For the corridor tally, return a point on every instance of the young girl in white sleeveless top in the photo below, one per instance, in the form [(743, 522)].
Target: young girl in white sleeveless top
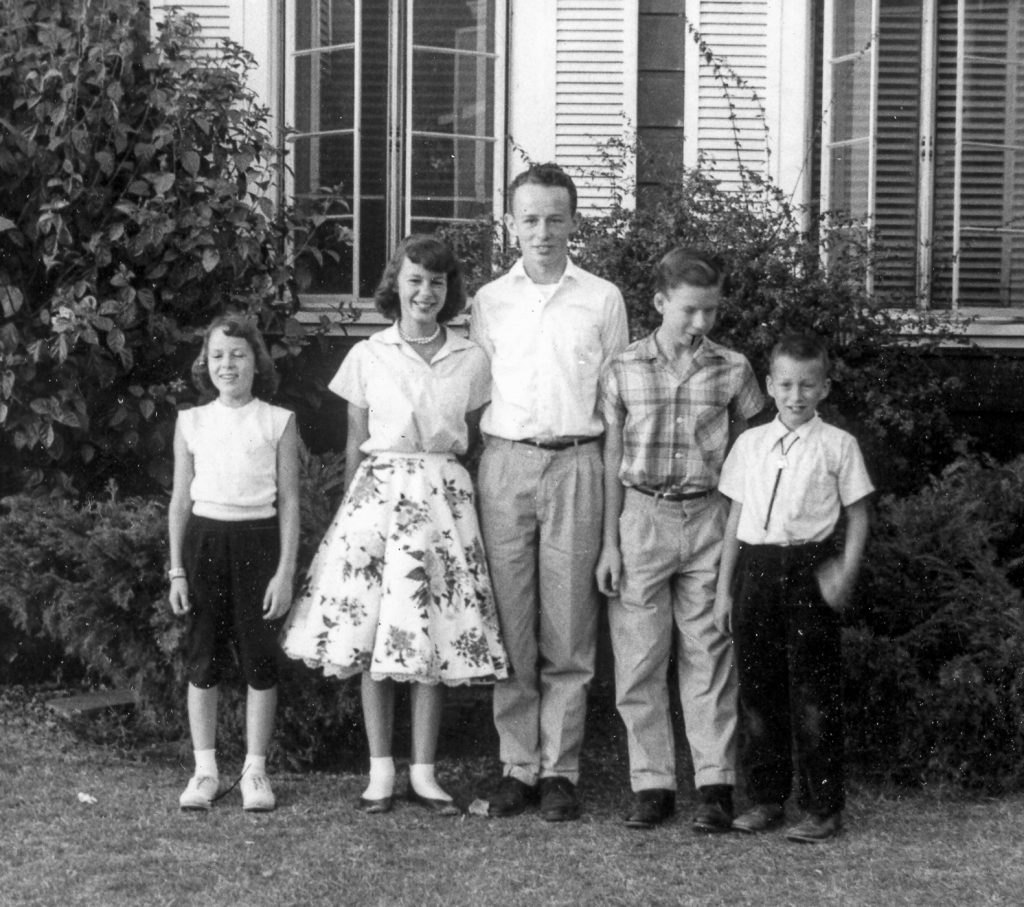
[(234, 526), (399, 588)]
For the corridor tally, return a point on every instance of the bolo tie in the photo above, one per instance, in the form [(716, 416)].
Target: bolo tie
[(783, 462)]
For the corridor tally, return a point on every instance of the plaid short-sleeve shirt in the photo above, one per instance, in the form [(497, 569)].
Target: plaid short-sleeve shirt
[(675, 430)]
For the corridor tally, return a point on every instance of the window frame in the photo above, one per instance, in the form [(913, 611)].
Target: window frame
[(926, 190), (402, 46)]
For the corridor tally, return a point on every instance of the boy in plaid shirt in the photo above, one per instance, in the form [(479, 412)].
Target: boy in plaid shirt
[(673, 403)]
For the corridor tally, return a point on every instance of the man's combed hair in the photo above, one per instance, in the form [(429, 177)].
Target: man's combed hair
[(690, 266), (544, 175), (433, 254), (264, 382), (802, 348)]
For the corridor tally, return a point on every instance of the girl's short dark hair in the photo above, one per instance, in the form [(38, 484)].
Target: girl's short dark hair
[(265, 381), (433, 254), (690, 266)]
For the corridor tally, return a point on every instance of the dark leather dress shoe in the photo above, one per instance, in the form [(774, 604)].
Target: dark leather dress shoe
[(511, 797), (383, 805), (437, 807), (558, 800), (651, 807)]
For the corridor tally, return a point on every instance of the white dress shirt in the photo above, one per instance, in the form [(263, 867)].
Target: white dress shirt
[(793, 484), (547, 351)]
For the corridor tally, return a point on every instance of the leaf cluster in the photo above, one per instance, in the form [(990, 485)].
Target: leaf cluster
[(935, 649), (136, 201), (90, 578), (784, 274)]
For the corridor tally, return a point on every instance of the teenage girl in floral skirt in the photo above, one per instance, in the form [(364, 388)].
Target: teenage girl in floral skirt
[(399, 590)]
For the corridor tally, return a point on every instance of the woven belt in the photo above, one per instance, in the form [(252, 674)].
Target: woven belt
[(558, 445), (672, 496)]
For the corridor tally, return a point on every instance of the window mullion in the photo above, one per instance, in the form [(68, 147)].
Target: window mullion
[(406, 195), (873, 134), (958, 148), (357, 148), (926, 153)]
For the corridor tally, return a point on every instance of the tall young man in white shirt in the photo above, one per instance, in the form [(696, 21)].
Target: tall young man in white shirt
[(549, 328)]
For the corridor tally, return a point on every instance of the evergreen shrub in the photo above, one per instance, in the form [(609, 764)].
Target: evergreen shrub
[(934, 647), (884, 386), (91, 578)]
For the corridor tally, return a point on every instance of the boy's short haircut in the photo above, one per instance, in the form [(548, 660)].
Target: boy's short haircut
[(688, 265), (549, 174), (802, 348), (234, 324)]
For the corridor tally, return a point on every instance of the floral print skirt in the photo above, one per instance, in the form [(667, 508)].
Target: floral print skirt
[(399, 585)]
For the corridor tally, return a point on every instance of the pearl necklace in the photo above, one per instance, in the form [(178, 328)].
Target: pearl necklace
[(420, 340)]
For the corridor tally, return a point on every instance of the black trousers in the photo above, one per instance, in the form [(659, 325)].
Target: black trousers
[(229, 565), (789, 662)]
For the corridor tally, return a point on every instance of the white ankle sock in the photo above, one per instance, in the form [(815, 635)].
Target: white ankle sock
[(421, 777), (382, 778), (206, 763), (254, 765)]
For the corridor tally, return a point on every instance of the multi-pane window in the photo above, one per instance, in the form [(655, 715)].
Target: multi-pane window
[(924, 136), (398, 110)]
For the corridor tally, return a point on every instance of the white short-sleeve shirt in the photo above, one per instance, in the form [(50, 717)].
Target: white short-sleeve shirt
[(234, 456), (548, 348), (793, 484), (414, 406)]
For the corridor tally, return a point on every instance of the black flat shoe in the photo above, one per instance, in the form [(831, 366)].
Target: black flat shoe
[(437, 807), (650, 808), (383, 805), (558, 800)]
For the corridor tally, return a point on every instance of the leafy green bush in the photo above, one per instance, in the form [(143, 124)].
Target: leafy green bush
[(935, 650), (884, 388), (136, 177), (91, 578)]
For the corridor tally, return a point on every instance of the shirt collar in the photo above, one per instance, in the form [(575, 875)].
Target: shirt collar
[(647, 348), (779, 430), (453, 341), (571, 272)]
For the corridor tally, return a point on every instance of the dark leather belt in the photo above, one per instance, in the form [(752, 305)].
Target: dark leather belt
[(672, 496), (559, 445)]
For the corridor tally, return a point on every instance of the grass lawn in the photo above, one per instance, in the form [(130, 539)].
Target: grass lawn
[(133, 846)]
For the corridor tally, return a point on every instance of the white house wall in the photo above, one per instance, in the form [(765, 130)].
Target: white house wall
[(748, 105), (250, 23)]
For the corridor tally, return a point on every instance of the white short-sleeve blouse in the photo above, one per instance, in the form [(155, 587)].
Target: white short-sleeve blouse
[(414, 406)]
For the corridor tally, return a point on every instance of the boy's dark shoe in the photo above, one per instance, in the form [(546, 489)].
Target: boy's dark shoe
[(816, 829), (761, 817), (511, 797), (714, 812), (651, 807), (558, 800)]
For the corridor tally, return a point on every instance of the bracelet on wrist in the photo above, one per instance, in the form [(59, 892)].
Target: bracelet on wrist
[(176, 573)]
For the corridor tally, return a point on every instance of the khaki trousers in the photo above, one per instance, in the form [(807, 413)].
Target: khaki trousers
[(540, 516), (670, 556)]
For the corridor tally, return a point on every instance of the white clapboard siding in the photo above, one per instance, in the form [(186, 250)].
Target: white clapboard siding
[(725, 109), (595, 87)]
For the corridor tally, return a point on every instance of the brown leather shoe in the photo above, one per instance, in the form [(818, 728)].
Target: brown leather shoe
[(558, 800), (760, 817), (511, 797), (714, 813), (816, 829), (651, 807)]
